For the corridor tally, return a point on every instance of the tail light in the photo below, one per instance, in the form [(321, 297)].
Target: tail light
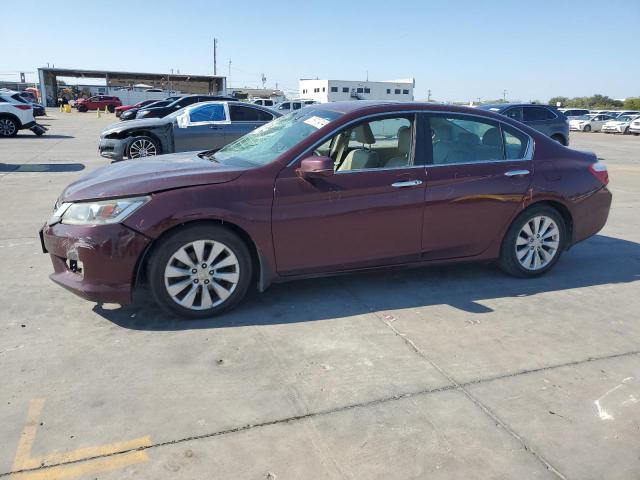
[(23, 107), (599, 170)]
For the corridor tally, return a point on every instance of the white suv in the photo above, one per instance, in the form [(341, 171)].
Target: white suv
[(15, 114)]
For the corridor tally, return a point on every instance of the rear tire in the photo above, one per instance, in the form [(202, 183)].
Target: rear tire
[(534, 242), (199, 271), (560, 139), (8, 127)]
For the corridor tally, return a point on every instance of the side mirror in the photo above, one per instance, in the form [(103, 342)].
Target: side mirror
[(315, 167)]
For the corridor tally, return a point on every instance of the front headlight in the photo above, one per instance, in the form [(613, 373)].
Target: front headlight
[(101, 212)]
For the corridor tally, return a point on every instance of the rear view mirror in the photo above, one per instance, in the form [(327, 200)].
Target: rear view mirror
[(315, 167)]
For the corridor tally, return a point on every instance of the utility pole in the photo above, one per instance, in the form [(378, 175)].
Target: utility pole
[(264, 81), (504, 95), (229, 75), (429, 95), (215, 56)]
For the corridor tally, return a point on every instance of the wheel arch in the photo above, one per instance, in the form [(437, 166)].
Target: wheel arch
[(260, 274), (562, 210), (145, 133), (561, 136)]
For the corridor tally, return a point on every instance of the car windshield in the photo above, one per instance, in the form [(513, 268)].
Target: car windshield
[(266, 143), (623, 118), (585, 117)]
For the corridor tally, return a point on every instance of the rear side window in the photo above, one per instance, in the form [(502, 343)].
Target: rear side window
[(534, 114), (207, 113), (239, 113), (515, 143), (460, 139)]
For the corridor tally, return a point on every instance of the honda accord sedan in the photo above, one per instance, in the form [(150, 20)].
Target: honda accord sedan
[(328, 189)]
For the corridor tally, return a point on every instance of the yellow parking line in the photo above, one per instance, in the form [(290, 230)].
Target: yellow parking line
[(109, 458), (23, 459), (90, 452), (75, 470)]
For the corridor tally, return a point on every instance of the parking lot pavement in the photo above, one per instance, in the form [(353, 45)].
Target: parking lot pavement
[(456, 372)]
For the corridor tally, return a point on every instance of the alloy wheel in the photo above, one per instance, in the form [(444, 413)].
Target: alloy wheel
[(202, 274), (7, 127), (142, 148), (537, 243)]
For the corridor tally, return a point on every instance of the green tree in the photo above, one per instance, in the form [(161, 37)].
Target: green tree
[(562, 100), (632, 103)]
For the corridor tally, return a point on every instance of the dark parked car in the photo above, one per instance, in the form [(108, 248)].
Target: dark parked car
[(328, 189), (203, 126), (132, 112), (123, 108), (543, 118), (159, 112)]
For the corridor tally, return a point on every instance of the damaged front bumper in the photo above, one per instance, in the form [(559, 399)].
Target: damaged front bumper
[(96, 262), (113, 148)]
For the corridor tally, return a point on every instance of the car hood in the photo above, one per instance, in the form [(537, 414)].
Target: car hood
[(137, 123), (148, 175)]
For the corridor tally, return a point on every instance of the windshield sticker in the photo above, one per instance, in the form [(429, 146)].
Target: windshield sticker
[(316, 122)]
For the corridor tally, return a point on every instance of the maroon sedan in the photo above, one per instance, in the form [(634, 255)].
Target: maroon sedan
[(328, 189)]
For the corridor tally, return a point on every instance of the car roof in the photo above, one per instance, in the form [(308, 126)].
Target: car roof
[(503, 106), (381, 105)]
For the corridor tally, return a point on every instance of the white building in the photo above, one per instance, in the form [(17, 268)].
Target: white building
[(340, 90)]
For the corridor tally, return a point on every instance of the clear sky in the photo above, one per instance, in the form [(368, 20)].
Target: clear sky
[(460, 49)]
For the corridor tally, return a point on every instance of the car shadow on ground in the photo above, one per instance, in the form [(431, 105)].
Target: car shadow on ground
[(599, 261), (41, 167), (42, 137)]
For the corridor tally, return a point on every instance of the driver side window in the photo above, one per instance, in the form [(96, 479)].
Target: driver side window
[(207, 113), (386, 143)]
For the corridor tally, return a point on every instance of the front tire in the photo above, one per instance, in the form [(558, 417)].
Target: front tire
[(534, 242), (587, 128), (8, 127), (143, 146), (626, 131), (111, 108), (560, 139), (200, 271), (82, 108)]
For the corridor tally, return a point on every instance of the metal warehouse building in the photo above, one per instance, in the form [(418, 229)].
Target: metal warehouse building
[(165, 81)]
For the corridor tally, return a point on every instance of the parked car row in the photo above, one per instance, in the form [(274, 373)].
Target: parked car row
[(594, 122)]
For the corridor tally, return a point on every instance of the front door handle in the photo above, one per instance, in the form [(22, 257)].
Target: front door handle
[(408, 183), (214, 127), (517, 173)]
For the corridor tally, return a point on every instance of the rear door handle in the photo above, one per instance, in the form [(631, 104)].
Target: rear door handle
[(517, 173), (408, 183)]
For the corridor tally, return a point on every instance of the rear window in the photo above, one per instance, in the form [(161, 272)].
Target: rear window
[(240, 113), (533, 114)]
